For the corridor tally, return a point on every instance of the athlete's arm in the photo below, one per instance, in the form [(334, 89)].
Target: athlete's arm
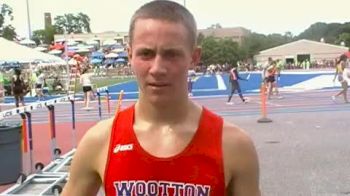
[(242, 164), (84, 176)]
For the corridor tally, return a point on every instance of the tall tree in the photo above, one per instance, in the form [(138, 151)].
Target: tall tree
[(71, 23), (6, 30), (256, 42), (85, 21), (344, 37), (329, 32), (217, 50), (45, 36)]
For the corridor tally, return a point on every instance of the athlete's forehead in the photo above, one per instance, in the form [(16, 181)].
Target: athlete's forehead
[(157, 34)]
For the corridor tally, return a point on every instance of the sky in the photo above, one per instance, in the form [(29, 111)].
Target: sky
[(260, 16)]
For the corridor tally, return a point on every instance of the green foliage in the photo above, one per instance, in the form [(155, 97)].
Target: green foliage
[(9, 32), (344, 37), (44, 35), (215, 50), (71, 23), (5, 14), (333, 33), (255, 42), (6, 30)]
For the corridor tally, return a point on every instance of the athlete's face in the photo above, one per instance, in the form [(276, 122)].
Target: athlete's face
[(160, 56)]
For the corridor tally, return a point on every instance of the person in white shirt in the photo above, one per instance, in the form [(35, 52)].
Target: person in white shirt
[(39, 84), (85, 81), (190, 80), (346, 77)]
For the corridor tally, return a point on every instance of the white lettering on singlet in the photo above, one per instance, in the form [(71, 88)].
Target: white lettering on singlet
[(162, 188)]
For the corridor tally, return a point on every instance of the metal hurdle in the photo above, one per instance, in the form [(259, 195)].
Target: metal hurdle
[(48, 181), (99, 91), (25, 113), (39, 184), (51, 179), (61, 164)]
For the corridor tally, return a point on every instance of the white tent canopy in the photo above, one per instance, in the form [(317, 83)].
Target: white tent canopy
[(111, 55), (11, 51), (41, 49), (55, 51), (27, 42)]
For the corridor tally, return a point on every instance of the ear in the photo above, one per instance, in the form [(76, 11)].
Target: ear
[(129, 51), (196, 56)]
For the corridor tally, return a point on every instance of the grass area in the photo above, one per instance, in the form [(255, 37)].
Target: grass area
[(104, 81), (101, 82)]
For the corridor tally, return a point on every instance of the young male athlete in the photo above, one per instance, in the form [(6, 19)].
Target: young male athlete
[(165, 144)]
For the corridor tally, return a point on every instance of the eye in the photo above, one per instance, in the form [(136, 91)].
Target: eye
[(171, 54), (145, 53)]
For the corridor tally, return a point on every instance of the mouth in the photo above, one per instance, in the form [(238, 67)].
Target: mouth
[(158, 85)]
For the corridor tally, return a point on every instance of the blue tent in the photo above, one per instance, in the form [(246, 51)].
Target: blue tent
[(109, 61), (10, 64), (97, 55), (96, 61), (120, 60)]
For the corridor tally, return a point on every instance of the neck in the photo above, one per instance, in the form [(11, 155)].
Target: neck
[(163, 113)]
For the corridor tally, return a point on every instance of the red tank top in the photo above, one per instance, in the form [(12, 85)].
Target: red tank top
[(197, 170)]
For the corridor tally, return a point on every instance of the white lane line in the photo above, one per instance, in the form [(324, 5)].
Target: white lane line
[(221, 83)]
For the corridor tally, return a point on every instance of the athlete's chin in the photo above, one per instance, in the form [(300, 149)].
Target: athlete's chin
[(160, 100)]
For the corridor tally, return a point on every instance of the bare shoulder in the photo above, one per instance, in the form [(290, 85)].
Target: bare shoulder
[(98, 134), (92, 146), (240, 162), (235, 138), (95, 141), (87, 167)]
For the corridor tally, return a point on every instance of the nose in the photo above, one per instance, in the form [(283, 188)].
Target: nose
[(158, 67)]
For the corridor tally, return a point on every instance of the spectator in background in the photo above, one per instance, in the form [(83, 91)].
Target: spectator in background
[(57, 85), (39, 84), (191, 79)]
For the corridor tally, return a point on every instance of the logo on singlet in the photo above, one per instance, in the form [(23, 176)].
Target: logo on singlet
[(123, 147)]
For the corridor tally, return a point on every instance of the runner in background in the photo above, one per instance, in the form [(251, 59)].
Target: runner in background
[(279, 68), (270, 78), (234, 77), (85, 81), (340, 66)]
